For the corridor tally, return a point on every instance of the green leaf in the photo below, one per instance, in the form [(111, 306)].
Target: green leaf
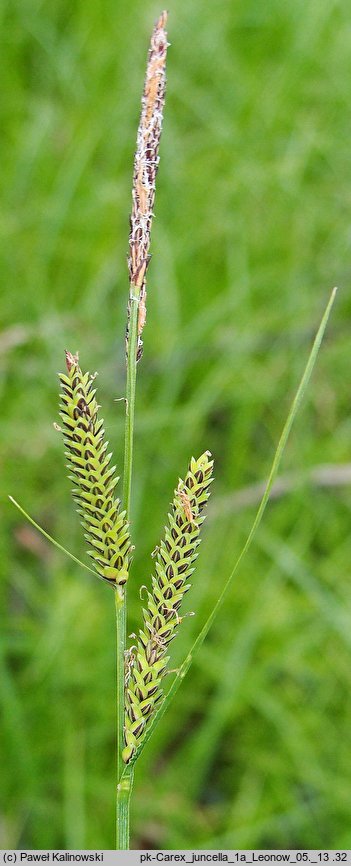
[(184, 667)]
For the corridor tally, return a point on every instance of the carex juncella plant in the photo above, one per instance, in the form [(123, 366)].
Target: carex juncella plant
[(105, 525), (141, 668), (146, 664)]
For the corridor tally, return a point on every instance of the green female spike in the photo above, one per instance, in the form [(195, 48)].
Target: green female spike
[(147, 662), (106, 528)]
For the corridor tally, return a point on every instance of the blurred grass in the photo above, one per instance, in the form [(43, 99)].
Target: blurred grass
[(252, 230)]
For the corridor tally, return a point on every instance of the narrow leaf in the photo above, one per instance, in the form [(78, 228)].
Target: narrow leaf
[(184, 667), (52, 540)]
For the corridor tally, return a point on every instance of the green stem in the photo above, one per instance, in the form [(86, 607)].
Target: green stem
[(130, 397), (121, 641), (125, 784), (124, 791)]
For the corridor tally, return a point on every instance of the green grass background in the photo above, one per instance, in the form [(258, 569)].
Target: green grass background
[(252, 230)]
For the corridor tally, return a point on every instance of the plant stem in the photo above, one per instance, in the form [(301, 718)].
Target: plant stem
[(124, 791), (120, 601), (122, 796), (124, 786), (130, 396)]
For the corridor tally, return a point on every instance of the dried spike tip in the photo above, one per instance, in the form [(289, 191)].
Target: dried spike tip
[(71, 360), (174, 560), (105, 525), (146, 162)]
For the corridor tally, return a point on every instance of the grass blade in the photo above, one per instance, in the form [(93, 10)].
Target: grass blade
[(184, 667), (52, 540)]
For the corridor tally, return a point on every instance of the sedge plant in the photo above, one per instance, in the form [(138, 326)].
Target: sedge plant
[(141, 666)]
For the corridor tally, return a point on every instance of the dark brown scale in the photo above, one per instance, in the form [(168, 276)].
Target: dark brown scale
[(199, 475), (174, 534), (170, 572), (92, 535), (183, 567), (76, 472), (161, 580), (67, 421), (179, 520), (203, 490), (168, 545), (74, 450), (85, 511), (168, 593), (182, 541), (110, 540), (188, 552), (176, 556), (139, 694), (189, 482), (114, 558), (139, 728), (157, 623), (147, 679), (152, 690), (89, 509), (100, 562), (178, 583)]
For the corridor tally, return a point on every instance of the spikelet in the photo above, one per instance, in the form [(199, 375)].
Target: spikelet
[(146, 163), (105, 525), (146, 663)]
